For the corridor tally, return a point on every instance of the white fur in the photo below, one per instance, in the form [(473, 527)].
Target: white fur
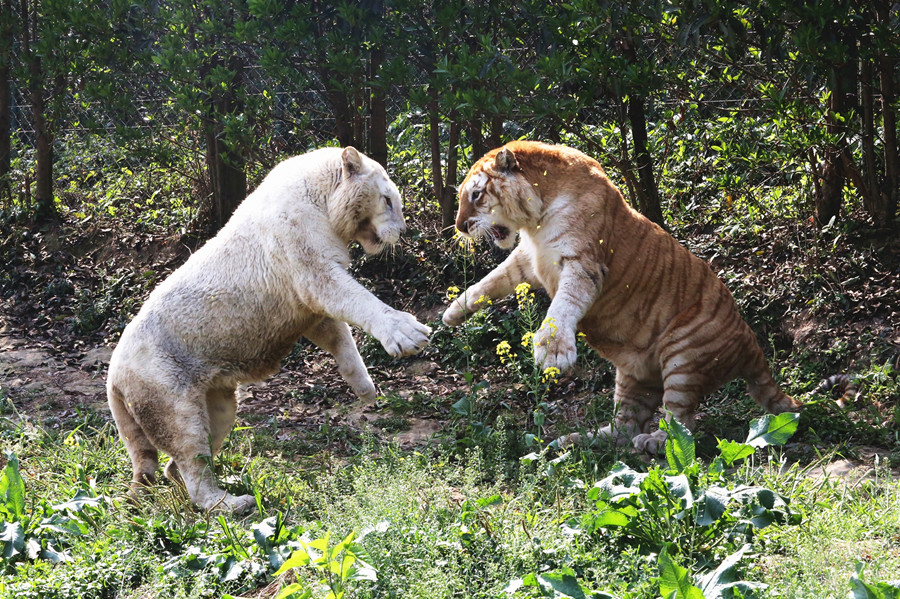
[(275, 272)]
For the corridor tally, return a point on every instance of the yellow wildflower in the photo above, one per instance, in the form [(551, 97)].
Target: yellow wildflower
[(527, 340), (551, 375), (452, 293), (504, 350), (550, 323), (523, 295), (483, 300)]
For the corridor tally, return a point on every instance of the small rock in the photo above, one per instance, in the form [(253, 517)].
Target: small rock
[(421, 367), (98, 355)]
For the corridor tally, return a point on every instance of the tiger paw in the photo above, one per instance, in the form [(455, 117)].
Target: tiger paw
[(364, 388), (617, 434), (402, 335), (653, 443), (554, 348), (454, 315)]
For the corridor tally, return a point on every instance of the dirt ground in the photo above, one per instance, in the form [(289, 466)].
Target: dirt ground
[(46, 390)]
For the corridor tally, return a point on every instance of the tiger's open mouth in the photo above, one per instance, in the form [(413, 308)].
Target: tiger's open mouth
[(499, 233)]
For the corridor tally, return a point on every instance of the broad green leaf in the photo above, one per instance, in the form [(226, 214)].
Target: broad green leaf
[(860, 589), (81, 500), (320, 544), (732, 451), (463, 407), (721, 582), (717, 468), (564, 583), (54, 555), (605, 519), (293, 591), (680, 487), (772, 430), (13, 538), (487, 501), (560, 459), (514, 585), (675, 579), (622, 482), (267, 529), (680, 450), (235, 570), (344, 544), (715, 502), (364, 571), (531, 457), (12, 488), (298, 559)]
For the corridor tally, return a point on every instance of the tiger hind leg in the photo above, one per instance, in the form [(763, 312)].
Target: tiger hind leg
[(680, 404), (635, 403)]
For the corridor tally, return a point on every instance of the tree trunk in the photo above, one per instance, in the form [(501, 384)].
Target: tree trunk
[(889, 194), (343, 117), (225, 163), (828, 201), (867, 135), (447, 198), (43, 175), (6, 15), (647, 193), (377, 149), (444, 193), (842, 81), (437, 169), (476, 139), (5, 135), (495, 138), (226, 176)]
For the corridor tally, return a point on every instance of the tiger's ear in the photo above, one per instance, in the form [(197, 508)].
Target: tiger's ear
[(506, 161), (351, 161)]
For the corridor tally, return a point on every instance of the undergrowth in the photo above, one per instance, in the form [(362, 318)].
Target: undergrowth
[(448, 522)]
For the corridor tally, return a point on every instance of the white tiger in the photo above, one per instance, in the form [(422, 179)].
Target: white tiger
[(275, 272)]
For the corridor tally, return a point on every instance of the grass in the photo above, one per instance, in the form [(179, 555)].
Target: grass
[(849, 527), (446, 523)]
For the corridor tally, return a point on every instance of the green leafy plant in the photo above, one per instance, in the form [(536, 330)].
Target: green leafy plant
[(685, 510), (46, 531), (337, 568), (859, 589), (686, 503)]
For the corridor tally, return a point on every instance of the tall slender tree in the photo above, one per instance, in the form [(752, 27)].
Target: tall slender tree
[(7, 23)]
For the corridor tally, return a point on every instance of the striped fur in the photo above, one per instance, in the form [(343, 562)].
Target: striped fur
[(644, 302)]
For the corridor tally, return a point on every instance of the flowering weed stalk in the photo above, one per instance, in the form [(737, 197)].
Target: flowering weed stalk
[(537, 380)]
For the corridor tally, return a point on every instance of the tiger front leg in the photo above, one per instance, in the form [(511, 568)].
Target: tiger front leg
[(340, 297), (579, 287), (500, 282)]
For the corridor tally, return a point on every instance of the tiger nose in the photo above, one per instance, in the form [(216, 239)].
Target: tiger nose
[(463, 226)]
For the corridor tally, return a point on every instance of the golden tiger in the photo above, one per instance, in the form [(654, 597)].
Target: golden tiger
[(645, 303)]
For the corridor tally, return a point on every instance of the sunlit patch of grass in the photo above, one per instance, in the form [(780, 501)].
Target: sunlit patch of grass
[(847, 525)]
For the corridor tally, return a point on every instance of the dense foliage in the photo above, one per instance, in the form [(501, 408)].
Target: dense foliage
[(688, 103)]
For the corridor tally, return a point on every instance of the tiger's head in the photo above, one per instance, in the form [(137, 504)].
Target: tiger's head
[(366, 205), (496, 199)]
